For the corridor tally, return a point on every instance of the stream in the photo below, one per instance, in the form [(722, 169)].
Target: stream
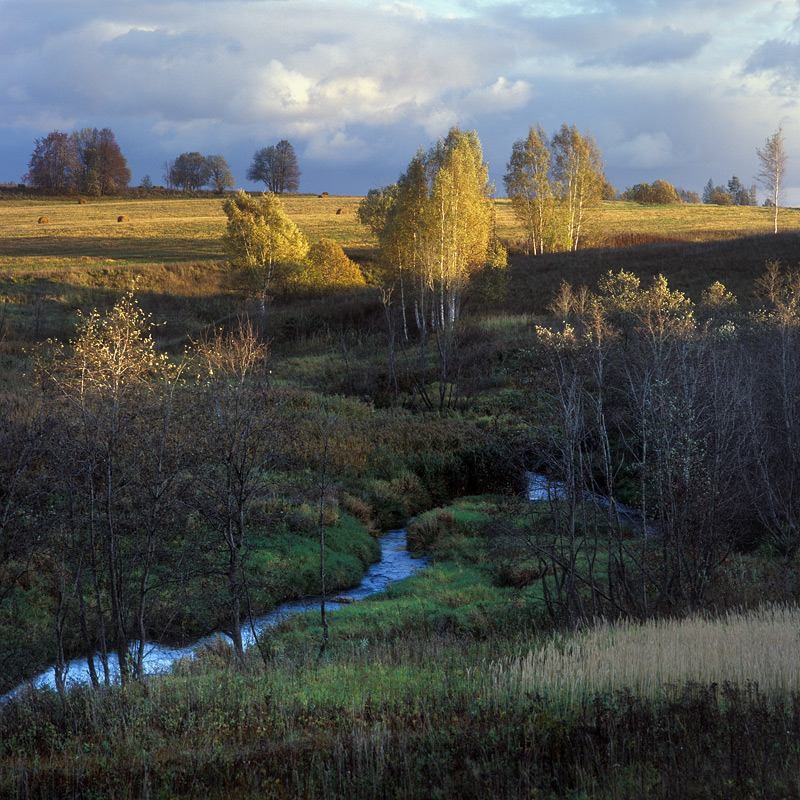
[(395, 564), (541, 489)]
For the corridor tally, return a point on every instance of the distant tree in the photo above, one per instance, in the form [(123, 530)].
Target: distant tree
[(220, 176), (103, 168), (277, 167), (54, 163), (739, 195), (772, 159), (688, 196), (717, 195), (147, 182), (660, 192), (262, 241), (169, 173), (189, 171)]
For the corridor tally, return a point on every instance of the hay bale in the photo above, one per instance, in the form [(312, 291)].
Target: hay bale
[(43, 220), (320, 195), (81, 201), (324, 194), (342, 211), (123, 218)]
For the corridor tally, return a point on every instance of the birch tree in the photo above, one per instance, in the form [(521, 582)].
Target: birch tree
[(262, 242), (579, 175), (530, 188), (772, 161)]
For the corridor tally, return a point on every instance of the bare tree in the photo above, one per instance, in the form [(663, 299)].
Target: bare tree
[(239, 448), (772, 161), (277, 167), (54, 163)]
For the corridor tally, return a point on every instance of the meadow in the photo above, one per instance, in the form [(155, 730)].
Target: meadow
[(475, 677)]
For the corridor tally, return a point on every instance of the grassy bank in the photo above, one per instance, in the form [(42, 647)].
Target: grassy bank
[(444, 686)]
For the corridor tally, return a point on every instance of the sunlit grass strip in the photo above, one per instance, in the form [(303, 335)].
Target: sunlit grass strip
[(761, 646)]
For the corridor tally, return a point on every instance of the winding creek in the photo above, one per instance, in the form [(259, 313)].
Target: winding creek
[(395, 564)]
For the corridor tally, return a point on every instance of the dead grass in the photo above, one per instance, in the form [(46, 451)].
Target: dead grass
[(761, 646)]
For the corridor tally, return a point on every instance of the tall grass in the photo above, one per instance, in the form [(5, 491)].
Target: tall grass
[(761, 647)]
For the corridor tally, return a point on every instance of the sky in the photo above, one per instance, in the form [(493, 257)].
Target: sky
[(680, 90)]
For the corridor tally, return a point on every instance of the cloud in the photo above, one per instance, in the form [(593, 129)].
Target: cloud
[(646, 150), (364, 83), (502, 95), (779, 58), (655, 48)]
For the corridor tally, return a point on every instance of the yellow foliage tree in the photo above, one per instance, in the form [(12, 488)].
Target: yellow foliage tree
[(262, 241)]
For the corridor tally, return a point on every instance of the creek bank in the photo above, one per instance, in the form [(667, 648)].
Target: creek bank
[(395, 564), (543, 489)]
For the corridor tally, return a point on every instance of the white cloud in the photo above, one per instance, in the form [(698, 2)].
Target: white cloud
[(502, 95), (371, 82)]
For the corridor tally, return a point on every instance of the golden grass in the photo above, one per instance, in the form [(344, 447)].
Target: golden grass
[(761, 646), (159, 230), (190, 229), (681, 221)]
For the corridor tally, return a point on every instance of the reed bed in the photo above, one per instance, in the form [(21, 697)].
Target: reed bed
[(760, 647)]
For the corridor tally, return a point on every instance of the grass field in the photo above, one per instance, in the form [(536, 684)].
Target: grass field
[(185, 230), (159, 230)]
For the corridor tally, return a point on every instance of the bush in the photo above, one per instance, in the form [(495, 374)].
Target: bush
[(330, 270), (429, 530)]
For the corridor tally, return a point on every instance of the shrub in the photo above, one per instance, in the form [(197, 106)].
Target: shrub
[(361, 510), (329, 269), (429, 530), (305, 517)]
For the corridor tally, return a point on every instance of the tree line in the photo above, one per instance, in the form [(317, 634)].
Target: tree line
[(88, 161)]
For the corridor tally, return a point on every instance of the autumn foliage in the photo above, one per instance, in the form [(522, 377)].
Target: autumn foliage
[(328, 269)]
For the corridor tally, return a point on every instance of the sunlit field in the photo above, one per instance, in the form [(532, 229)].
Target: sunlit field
[(156, 231), (176, 230)]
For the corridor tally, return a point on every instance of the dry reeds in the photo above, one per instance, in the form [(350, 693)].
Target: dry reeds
[(761, 647)]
